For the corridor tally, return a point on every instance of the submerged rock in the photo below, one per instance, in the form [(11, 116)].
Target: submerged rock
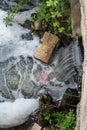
[(27, 36), (12, 78), (27, 24), (4, 5), (21, 65), (30, 63), (28, 87), (37, 73)]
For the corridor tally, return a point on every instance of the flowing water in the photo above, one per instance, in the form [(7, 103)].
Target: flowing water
[(21, 75)]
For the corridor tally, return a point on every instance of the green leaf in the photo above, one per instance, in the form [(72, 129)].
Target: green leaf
[(61, 29)]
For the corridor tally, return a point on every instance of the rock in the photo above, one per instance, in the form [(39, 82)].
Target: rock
[(35, 127), (30, 63), (46, 48), (75, 16), (37, 73), (12, 78), (36, 25), (28, 87), (27, 24), (25, 63), (47, 128), (4, 5), (27, 36), (21, 65)]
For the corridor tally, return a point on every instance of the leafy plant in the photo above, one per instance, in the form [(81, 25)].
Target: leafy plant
[(8, 19), (69, 121), (64, 121), (13, 10), (54, 14)]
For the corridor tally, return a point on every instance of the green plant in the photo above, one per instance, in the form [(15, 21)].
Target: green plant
[(64, 121), (69, 121), (10, 14), (54, 14), (13, 10)]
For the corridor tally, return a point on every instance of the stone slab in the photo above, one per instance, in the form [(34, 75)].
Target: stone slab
[(46, 47)]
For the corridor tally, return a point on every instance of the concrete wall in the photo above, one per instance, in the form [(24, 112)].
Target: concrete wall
[(82, 114)]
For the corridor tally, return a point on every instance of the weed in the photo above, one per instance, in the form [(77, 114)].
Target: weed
[(55, 14), (64, 121), (13, 10)]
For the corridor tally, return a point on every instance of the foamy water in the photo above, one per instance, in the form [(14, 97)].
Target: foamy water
[(21, 75)]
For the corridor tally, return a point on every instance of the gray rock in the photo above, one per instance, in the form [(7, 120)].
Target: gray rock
[(21, 65), (12, 78), (30, 63), (27, 36), (4, 5), (37, 73), (28, 87)]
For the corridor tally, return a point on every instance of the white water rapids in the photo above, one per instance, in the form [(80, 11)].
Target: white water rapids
[(21, 74)]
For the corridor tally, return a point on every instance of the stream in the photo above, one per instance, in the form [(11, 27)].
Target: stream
[(21, 75)]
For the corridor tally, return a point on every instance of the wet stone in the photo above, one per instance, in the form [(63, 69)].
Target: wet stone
[(37, 73), (27, 24), (36, 25), (30, 63), (21, 65), (4, 5), (27, 36), (7, 95), (12, 78), (28, 87)]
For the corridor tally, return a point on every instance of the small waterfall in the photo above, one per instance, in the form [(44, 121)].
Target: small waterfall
[(70, 61)]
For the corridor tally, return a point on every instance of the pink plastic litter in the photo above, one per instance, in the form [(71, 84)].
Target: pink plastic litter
[(44, 77)]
